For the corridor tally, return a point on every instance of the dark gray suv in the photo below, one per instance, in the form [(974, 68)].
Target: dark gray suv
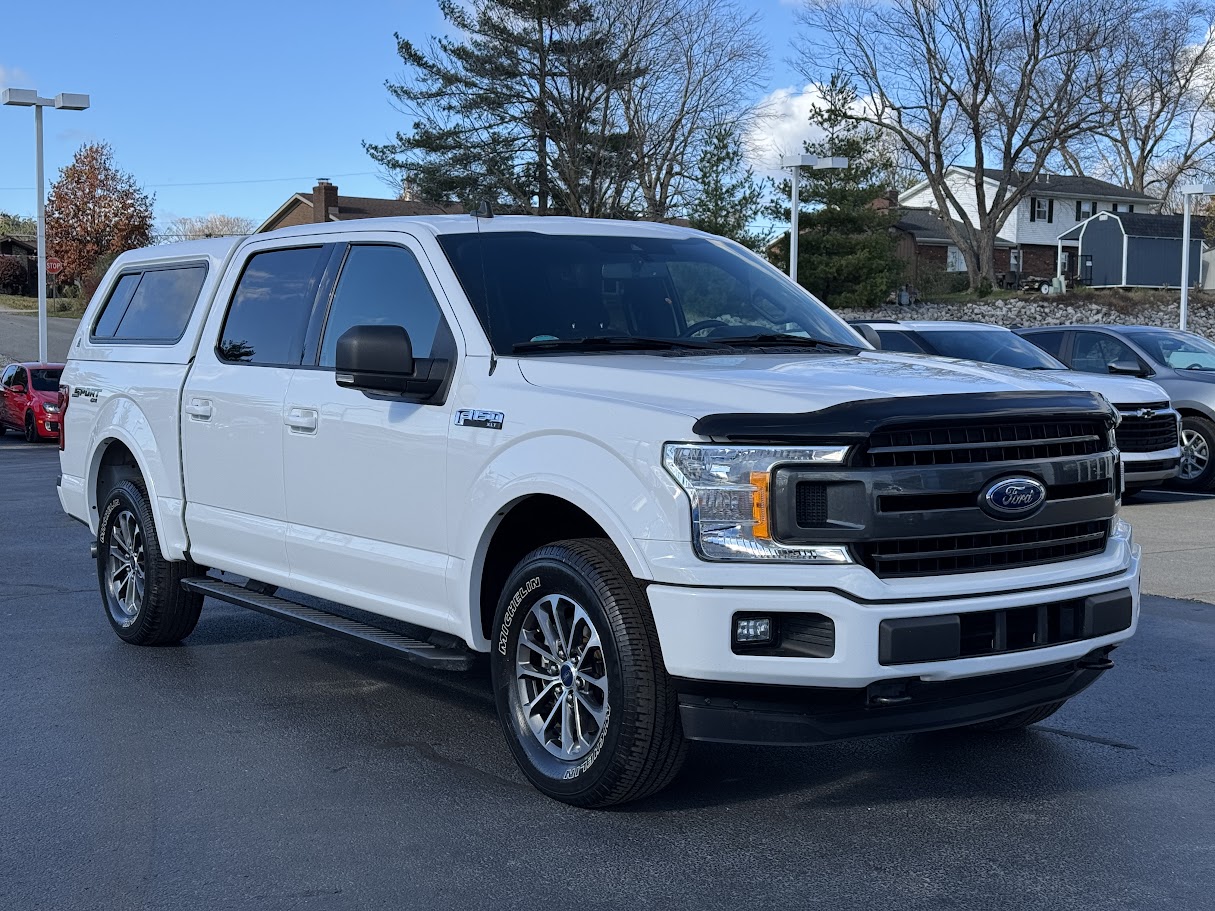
[(1181, 362)]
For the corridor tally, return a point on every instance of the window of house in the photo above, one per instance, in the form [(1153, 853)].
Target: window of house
[(269, 312), (1085, 208), (1041, 209), (1127, 207), (954, 260), (382, 285)]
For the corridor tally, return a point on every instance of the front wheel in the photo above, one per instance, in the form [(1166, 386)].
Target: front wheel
[(141, 590), (31, 429), (582, 692), (1197, 454)]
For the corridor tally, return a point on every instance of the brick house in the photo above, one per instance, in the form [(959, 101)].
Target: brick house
[(324, 204), (922, 240), (1053, 204)]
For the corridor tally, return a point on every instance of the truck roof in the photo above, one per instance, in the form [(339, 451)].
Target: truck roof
[(213, 249), (464, 224)]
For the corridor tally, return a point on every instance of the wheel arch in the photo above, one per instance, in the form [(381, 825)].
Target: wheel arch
[(115, 456)]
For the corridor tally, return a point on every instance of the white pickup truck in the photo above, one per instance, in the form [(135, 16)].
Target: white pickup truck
[(668, 492)]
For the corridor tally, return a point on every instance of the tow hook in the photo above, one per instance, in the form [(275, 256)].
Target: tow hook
[(93, 549), (888, 693), (1096, 661)]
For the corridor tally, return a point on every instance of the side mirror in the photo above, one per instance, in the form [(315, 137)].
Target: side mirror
[(1127, 368), (869, 334), (380, 359), (18, 390)]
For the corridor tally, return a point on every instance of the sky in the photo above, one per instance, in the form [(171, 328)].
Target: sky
[(231, 107)]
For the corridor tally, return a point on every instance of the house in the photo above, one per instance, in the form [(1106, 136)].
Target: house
[(17, 246), (922, 240), (1124, 249), (24, 252), (1053, 205), (325, 204)]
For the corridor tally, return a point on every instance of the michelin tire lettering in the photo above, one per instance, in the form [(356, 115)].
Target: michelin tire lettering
[(528, 587)]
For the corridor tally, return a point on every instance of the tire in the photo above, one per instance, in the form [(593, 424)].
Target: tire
[(31, 428), (1197, 454), (145, 604), (1018, 721), (625, 738)]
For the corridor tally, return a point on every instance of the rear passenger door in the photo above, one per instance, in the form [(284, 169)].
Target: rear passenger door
[(232, 420), (366, 473), (1094, 352)]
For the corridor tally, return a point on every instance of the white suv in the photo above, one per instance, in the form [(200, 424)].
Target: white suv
[(672, 495)]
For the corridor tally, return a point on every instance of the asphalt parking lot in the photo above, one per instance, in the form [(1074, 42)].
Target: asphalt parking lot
[(262, 766)]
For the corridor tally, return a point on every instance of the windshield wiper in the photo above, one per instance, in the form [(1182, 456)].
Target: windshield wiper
[(780, 340), (617, 343)]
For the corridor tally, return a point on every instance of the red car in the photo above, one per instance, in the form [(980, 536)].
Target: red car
[(29, 400)]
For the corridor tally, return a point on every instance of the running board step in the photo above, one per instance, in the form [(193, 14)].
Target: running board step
[(415, 650)]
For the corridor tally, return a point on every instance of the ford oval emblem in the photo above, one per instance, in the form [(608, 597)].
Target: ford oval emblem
[(1014, 498)]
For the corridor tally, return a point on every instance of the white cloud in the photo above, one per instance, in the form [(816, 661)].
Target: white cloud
[(782, 127), (12, 78)]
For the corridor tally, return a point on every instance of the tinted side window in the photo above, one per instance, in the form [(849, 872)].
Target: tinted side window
[(898, 341), (270, 307), (1093, 352), (382, 285), (116, 307), (6, 378), (1050, 342), (162, 304), (19, 378)]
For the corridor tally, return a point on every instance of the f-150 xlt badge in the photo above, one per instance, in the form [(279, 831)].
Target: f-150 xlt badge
[(469, 417), (1014, 498)]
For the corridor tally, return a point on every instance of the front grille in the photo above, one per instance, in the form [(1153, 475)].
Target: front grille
[(983, 443), (1136, 434), (811, 504), (899, 557), (930, 502)]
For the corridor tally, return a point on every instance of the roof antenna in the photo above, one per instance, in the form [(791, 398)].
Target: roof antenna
[(483, 210)]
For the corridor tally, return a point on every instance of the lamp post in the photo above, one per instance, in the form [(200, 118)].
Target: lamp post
[(795, 163), (28, 98), (1193, 189)]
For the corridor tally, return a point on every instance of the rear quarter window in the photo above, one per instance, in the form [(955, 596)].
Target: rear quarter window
[(152, 306)]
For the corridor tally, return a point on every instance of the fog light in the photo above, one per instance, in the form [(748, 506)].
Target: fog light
[(753, 631)]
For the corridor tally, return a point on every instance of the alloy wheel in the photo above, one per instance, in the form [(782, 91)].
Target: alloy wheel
[(125, 568), (561, 677), (1195, 454)]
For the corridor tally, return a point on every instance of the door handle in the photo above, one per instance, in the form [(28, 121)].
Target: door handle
[(302, 420), (199, 408)]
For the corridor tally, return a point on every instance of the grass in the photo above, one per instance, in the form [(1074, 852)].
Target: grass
[(70, 307)]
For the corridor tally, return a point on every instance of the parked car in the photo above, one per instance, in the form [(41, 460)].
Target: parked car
[(1181, 363), (671, 494), (29, 400), (1148, 435)]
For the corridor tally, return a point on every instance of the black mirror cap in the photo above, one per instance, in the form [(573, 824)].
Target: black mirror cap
[(379, 359), (1127, 368), (869, 334)]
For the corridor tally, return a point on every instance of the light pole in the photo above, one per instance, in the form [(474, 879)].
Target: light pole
[(1193, 189), (28, 98), (795, 163)]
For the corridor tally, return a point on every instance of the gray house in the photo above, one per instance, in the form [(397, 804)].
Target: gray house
[(1133, 249)]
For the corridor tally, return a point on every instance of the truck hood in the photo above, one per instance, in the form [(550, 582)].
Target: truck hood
[(696, 386), (1121, 390)]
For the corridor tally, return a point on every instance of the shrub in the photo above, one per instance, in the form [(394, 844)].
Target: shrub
[(13, 276)]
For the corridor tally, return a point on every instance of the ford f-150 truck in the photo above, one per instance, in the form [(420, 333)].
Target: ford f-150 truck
[(670, 494)]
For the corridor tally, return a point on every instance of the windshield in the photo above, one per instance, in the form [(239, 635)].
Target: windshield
[(1179, 350), (45, 380), (532, 290), (995, 346)]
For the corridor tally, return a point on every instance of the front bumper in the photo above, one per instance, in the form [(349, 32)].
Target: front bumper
[(736, 713), (1151, 467), (694, 625)]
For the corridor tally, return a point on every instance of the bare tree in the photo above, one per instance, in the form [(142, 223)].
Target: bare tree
[(699, 64), (193, 227), (1159, 91), (1005, 83)]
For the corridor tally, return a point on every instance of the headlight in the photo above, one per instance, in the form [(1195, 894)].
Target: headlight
[(728, 487), (50, 408)]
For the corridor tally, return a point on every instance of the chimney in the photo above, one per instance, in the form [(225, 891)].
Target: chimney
[(324, 200)]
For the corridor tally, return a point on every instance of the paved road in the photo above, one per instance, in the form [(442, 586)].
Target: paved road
[(261, 766), (19, 336)]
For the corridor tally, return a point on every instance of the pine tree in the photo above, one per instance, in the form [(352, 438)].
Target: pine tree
[(846, 251), (729, 198)]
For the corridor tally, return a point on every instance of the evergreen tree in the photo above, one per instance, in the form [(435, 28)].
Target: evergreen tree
[(515, 110), (729, 198), (846, 251)]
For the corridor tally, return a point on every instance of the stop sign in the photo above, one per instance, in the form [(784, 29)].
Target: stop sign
[(54, 265)]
